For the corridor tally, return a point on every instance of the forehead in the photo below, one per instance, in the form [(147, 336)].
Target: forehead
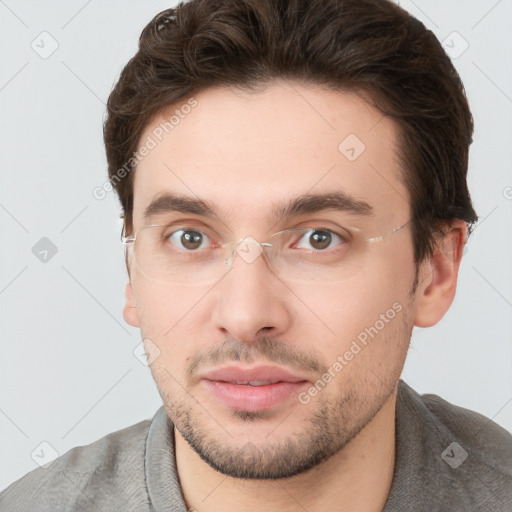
[(244, 152)]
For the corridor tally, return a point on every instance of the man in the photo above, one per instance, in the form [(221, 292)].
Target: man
[(293, 183)]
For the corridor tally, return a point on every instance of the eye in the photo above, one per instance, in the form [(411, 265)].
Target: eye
[(188, 239), (320, 239)]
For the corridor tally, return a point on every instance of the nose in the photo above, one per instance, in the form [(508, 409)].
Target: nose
[(251, 301)]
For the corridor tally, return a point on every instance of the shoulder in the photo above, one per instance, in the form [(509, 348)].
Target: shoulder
[(75, 480), (489, 443), (462, 458)]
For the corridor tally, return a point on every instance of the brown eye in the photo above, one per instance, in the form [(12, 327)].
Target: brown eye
[(188, 239), (320, 239)]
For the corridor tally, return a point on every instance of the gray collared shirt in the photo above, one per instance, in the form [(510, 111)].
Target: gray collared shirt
[(447, 459)]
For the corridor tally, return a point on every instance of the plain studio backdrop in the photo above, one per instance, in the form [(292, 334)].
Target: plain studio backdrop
[(68, 364)]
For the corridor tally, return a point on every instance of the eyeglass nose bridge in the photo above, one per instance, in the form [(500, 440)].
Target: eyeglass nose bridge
[(248, 248)]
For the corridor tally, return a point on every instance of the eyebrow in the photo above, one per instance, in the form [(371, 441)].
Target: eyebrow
[(307, 203)]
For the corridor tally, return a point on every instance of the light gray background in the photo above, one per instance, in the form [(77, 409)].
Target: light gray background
[(68, 372)]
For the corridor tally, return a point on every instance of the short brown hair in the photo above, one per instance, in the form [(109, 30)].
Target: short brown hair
[(370, 47)]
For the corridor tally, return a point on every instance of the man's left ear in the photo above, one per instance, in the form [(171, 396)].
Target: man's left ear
[(438, 276)]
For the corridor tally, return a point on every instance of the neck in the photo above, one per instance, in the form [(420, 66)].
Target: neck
[(359, 477)]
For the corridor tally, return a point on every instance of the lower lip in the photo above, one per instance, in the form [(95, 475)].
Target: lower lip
[(253, 398)]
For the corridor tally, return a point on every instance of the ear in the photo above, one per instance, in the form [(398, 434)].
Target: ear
[(130, 308), (438, 276)]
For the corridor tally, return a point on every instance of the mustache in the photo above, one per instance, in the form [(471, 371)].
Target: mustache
[(266, 349)]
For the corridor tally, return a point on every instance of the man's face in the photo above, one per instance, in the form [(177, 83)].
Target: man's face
[(244, 153)]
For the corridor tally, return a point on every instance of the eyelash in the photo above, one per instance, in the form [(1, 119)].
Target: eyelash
[(342, 239)]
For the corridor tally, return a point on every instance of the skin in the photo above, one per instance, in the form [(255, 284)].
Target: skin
[(245, 152)]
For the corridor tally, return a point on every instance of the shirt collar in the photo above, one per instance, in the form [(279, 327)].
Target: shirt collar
[(160, 466)]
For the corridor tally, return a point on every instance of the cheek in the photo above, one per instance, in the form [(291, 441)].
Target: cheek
[(372, 333), (170, 318), (369, 309), (164, 307)]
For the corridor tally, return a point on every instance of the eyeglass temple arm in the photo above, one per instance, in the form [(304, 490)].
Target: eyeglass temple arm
[(378, 238), (126, 239)]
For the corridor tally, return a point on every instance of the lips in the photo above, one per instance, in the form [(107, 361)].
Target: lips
[(253, 389), (238, 375)]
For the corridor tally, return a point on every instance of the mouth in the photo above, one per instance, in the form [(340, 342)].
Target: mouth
[(253, 389), (256, 382)]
